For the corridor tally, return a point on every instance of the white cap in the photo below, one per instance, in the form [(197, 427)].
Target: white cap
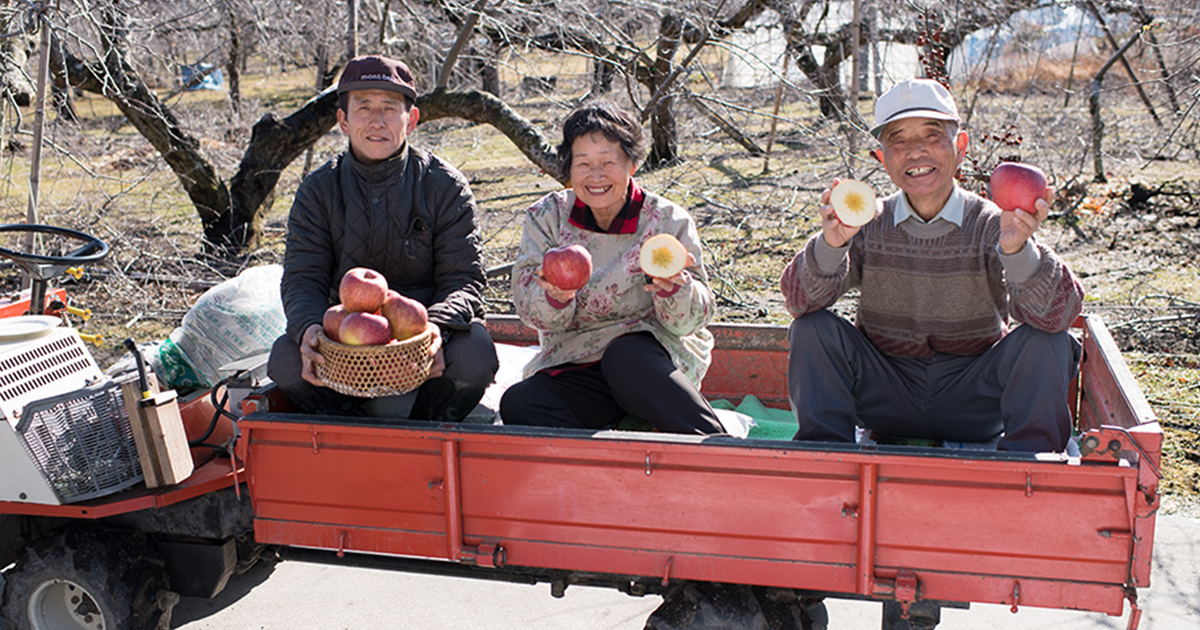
[(914, 98)]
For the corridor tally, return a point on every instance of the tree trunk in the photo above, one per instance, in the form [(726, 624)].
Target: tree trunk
[(274, 144), (489, 75), (664, 147), (233, 64), (14, 56), (830, 98), (481, 107), (351, 29), (602, 76), (232, 215), (1094, 109)]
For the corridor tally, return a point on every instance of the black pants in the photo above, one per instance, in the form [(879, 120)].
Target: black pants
[(635, 376), (471, 366)]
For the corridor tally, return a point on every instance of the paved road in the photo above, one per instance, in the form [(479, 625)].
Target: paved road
[(291, 595)]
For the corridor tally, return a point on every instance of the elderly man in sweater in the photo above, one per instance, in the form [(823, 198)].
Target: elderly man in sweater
[(941, 272)]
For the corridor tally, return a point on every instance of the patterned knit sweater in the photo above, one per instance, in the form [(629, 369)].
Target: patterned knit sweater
[(935, 287), (613, 303)]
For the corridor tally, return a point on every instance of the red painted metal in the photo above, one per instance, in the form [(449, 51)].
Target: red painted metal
[(1046, 531), (903, 524), (215, 475), (16, 305), (211, 474)]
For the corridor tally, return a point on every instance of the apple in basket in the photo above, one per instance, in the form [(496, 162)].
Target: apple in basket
[(568, 268), (1015, 185), (363, 290), (407, 317), (332, 322), (365, 329)]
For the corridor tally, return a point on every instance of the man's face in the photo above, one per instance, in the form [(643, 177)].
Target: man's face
[(922, 159), (377, 123)]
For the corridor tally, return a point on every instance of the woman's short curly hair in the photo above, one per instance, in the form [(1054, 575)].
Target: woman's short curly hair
[(605, 117)]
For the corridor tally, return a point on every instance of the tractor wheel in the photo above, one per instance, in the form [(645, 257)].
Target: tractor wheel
[(88, 579), (716, 606)]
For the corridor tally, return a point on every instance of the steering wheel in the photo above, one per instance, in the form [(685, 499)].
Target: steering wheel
[(41, 267)]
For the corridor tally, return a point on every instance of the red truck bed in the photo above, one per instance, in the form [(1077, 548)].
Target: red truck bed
[(885, 522)]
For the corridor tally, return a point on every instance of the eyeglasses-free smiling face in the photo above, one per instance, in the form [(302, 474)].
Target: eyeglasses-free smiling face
[(377, 122), (600, 174), (922, 159)]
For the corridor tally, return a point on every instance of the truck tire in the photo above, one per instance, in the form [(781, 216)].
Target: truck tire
[(716, 606), (85, 578)]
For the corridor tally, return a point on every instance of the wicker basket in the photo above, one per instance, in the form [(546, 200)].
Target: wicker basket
[(376, 371)]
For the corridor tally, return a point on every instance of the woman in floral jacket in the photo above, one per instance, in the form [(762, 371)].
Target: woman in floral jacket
[(625, 343)]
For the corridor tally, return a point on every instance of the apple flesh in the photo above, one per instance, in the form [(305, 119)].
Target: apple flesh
[(663, 256), (406, 316), (1015, 185), (332, 322), (853, 202), (363, 290), (365, 329), (569, 268)]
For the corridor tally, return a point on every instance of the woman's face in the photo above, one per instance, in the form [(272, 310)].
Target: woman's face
[(600, 173)]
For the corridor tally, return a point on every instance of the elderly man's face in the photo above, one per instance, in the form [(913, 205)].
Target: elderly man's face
[(922, 159)]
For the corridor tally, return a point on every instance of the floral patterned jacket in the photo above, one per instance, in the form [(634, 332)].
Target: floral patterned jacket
[(613, 303)]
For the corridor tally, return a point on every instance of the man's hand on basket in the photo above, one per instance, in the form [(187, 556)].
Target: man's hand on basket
[(309, 356), (435, 350)]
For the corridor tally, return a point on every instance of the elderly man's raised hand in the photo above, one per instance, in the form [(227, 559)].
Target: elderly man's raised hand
[(835, 233), (1018, 225)]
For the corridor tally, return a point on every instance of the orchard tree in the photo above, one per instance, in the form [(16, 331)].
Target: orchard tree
[(642, 52)]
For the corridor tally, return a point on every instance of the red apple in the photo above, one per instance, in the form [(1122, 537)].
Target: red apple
[(568, 268), (332, 322), (1015, 185), (407, 316), (365, 329), (363, 290)]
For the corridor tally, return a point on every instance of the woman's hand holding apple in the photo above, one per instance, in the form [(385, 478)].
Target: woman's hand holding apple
[(669, 284), (554, 292)]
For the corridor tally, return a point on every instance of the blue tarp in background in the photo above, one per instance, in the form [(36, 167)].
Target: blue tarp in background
[(213, 81)]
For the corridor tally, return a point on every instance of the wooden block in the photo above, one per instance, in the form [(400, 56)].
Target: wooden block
[(131, 393), (164, 426), (159, 434)]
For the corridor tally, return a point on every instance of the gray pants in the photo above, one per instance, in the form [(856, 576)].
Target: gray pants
[(1019, 388)]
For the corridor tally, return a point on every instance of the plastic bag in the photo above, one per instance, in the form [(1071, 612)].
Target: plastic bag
[(238, 318)]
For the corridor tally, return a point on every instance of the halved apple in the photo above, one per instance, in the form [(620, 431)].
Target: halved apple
[(854, 202), (663, 256)]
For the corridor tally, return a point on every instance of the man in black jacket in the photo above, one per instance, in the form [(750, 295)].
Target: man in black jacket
[(397, 209)]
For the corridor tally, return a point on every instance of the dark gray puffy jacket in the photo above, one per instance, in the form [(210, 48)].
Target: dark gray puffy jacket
[(411, 218)]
